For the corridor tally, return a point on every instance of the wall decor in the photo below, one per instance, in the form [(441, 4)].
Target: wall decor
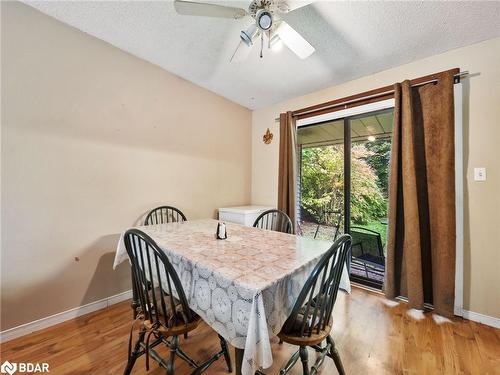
[(268, 137)]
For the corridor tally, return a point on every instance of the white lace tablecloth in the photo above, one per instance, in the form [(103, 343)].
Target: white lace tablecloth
[(244, 287)]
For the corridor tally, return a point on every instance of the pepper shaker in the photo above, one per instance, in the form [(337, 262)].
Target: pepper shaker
[(221, 231)]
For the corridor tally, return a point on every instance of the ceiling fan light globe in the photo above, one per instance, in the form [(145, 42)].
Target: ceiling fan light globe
[(248, 35), (245, 38), (264, 19)]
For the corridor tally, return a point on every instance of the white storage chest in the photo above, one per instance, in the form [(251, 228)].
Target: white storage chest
[(245, 215)]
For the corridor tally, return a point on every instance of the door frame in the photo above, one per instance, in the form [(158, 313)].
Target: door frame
[(347, 116)]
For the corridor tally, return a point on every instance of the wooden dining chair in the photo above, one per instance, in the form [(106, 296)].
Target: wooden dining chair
[(310, 321), (158, 215), (164, 214), (274, 220), (163, 308)]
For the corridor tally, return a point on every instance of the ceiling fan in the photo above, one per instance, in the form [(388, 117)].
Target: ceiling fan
[(268, 23)]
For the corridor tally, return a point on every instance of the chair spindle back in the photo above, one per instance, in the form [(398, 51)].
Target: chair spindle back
[(313, 308), (274, 220), (164, 214), (156, 281)]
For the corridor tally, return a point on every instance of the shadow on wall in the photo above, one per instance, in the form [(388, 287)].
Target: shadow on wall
[(37, 300), (56, 293), (105, 281)]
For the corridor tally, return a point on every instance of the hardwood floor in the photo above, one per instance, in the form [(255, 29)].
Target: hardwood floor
[(371, 336)]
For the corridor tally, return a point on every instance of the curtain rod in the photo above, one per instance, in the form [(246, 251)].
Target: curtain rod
[(368, 96)]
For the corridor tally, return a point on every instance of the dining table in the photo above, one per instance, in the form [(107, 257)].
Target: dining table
[(245, 286)]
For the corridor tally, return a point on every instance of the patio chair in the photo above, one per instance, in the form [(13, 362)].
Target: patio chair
[(331, 218), (367, 251)]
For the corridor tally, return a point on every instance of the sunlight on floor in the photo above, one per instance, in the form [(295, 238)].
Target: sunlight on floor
[(416, 314)]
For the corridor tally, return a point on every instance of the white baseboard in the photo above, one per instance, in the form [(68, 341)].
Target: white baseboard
[(49, 321), (480, 318)]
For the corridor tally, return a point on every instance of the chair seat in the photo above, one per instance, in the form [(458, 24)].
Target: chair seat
[(362, 264), (372, 259), (295, 338), (179, 328)]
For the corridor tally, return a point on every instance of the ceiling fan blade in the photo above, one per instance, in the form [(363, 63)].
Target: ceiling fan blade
[(241, 53), (290, 5), (293, 40), (191, 8)]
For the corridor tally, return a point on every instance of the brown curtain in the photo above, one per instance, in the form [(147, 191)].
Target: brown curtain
[(287, 166), (421, 238)]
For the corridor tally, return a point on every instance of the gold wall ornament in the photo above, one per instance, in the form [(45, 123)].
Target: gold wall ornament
[(268, 137)]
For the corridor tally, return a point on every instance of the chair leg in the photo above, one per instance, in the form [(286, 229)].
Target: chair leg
[(135, 298), (225, 350), (316, 233), (335, 355), (133, 357), (173, 349), (130, 366), (304, 358), (291, 362)]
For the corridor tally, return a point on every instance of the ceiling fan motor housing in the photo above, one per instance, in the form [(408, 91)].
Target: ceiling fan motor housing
[(262, 12)]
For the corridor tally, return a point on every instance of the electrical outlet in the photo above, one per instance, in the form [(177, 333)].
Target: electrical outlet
[(479, 174)]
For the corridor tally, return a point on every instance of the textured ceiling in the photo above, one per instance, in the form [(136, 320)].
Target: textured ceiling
[(352, 39)]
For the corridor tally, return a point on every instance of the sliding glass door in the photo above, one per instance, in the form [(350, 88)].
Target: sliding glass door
[(343, 187)]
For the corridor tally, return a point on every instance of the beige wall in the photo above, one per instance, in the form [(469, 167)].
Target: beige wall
[(481, 149), (91, 138)]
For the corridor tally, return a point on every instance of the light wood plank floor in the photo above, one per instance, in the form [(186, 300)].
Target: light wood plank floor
[(372, 338)]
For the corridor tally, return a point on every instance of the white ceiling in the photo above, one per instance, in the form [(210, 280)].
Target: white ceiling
[(352, 39)]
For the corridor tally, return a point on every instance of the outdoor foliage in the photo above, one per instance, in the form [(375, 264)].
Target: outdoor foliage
[(379, 161), (322, 183)]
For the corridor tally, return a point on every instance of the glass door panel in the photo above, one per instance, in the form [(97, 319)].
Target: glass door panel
[(369, 173), (320, 208)]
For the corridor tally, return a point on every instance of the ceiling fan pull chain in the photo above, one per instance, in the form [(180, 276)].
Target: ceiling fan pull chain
[(261, 44)]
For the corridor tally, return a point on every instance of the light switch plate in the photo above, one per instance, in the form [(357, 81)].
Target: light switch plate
[(479, 174)]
